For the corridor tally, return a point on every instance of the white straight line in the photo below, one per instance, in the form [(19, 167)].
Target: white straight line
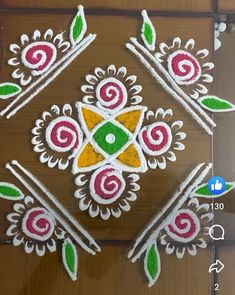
[(170, 91), (160, 214), (46, 205), (173, 83), (64, 62)]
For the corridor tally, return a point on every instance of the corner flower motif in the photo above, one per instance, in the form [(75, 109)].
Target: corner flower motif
[(36, 54), (111, 89), (57, 136), (186, 230), (33, 227), (187, 67), (108, 192), (161, 138)]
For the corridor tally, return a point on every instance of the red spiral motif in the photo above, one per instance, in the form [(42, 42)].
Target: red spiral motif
[(184, 67), (107, 185), (111, 94), (39, 56), (63, 134), (156, 138), (38, 224), (184, 227)]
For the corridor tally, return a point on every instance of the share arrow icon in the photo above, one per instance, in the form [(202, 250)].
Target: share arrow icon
[(217, 266)]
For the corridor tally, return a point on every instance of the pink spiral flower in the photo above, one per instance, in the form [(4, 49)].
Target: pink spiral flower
[(39, 56), (155, 139), (63, 134), (111, 94), (183, 67), (38, 224), (184, 227), (106, 185)]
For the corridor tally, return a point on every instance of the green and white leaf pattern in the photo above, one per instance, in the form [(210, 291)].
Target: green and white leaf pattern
[(70, 258), (8, 89), (216, 104), (152, 264), (78, 27), (203, 191), (148, 33), (10, 192)]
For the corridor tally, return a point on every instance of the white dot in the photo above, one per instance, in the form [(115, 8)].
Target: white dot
[(110, 138)]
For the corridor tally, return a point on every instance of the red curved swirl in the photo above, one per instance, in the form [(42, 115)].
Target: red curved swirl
[(33, 55), (64, 138), (43, 224), (108, 94), (107, 183), (180, 223)]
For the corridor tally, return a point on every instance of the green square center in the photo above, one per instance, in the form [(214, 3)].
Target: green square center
[(110, 138)]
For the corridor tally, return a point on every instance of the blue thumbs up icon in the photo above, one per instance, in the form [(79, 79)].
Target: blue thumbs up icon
[(216, 185)]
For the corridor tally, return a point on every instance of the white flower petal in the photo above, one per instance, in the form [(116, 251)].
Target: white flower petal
[(159, 56), (152, 163), (135, 187), (13, 217), (44, 157), (24, 39), (159, 113), (163, 47), (177, 125), (39, 148), (94, 210), (99, 72), (11, 231), (105, 214), (179, 146), (51, 245), (193, 202), (202, 243), (136, 99), (28, 247), (55, 109), (91, 79), (180, 135), (163, 240), (25, 81), (176, 42), (87, 88), (111, 70), (60, 233), (64, 46), (132, 196), (28, 201), (162, 163), (14, 48), (79, 180), (48, 34), (67, 110), (208, 66), (17, 74), (207, 78), (122, 71), (52, 162), (149, 114), (131, 79), (59, 38), (134, 177), (36, 140), (207, 217), (202, 89), (169, 248), (116, 212), (124, 205), (194, 95), (19, 207), (180, 251), (192, 250), (13, 61), (89, 99), (79, 194), (17, 240), (190, 44), (83, 204), (40, 250), (63, 165), (202, 53), (135, 89), (171, 156), (36, 35)]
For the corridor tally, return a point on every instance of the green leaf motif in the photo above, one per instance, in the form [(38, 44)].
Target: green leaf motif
[(70, 258), (203, 191), (78, 27), (148, 33), (8, 90), (10, 192), (152, 264), (216, 104)]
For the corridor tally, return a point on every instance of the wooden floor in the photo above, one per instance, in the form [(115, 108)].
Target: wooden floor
[(110, 272)]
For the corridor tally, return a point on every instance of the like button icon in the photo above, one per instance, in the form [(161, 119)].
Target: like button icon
[(216, 185)]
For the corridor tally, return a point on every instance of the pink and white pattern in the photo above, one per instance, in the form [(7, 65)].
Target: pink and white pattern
[(107, 192), (160, 138), (111, 89), (57, 136)]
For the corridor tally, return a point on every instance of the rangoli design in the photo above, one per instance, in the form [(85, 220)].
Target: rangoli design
[(108, 139), (182, 71), (180, 227), (39, 222), (39, 59)]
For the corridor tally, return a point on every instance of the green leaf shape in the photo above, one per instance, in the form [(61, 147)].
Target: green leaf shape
[(152, 264), (78, 27), (70, 258), (148, 33), (203, 191), (8, 90), (10, 192), (216, 104)]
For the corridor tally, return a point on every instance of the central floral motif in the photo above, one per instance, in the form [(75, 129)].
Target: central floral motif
[(111, 139)]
